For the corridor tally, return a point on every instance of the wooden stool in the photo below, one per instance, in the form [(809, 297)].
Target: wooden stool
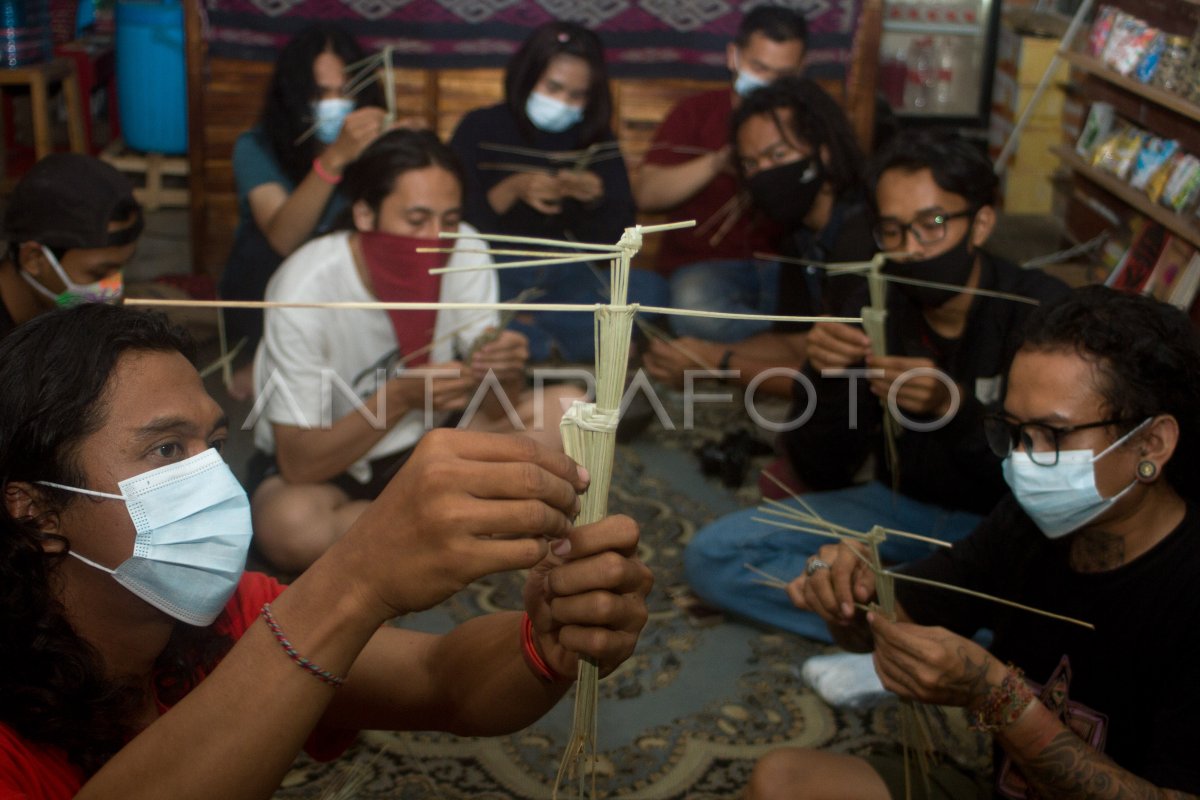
[(153, 167), (38, 77)]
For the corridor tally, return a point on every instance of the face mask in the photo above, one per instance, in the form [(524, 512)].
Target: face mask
[(747, 82), (787, 193), (551, 115), (108, 290), (328, 116), (399, 274), (952, 267), (193, 531), (1062, 498)]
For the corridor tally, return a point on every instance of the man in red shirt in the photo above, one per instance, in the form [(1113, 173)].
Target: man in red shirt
[(131, 632), (688, 174)]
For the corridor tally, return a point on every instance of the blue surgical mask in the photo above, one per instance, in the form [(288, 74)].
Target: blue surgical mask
[(328, 116), (193, 532), (1062, 498), (108, 290), (551, 115), (746, 82)]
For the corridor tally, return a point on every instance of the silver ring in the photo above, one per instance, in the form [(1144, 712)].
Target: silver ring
[(814, 565)]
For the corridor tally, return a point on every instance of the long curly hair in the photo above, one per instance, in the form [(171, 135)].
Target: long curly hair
[(53, 687), (1147, 355), (815, 119), (287, 107)]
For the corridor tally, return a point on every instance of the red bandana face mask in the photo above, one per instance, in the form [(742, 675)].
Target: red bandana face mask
[(399, 274)]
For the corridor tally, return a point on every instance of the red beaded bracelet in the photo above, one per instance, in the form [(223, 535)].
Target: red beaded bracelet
[(318, 673), (323, 174), (533, 658)]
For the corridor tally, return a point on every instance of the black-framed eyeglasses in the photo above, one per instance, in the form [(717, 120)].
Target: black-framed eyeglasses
[(1040, 441), (928, 228)]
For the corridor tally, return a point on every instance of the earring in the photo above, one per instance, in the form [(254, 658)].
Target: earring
[(1146, 470)]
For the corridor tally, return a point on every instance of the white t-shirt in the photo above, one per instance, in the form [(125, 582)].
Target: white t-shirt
[(316, 365)]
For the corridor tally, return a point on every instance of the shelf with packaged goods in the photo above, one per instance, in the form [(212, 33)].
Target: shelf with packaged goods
[(1178, 224), (1161, 97)]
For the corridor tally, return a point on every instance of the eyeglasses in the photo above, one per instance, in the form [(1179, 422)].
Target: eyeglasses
[(927, 228), (1039, 441)]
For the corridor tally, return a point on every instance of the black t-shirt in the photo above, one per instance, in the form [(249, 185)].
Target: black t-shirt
[(951, 466), (1139, 666), (7, 323), (809, 291), (602, 223)]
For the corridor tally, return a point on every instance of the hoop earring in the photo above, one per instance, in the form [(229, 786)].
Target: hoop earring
[(1146, 470)]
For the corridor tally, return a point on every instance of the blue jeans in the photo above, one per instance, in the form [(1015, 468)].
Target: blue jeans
[(714, 559), (733, 285), (570, 333)]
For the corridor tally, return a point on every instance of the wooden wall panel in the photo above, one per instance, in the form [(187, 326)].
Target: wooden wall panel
[(226, 95)]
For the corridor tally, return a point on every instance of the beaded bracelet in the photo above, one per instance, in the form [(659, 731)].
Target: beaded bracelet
[(323, 174), (318, 673), (533, 658), (1004, 704)]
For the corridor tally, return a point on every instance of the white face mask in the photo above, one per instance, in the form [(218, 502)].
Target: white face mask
[(746, 81), (193, 532), (551, 115), (1062, 498), (108, 290), (329, 115)]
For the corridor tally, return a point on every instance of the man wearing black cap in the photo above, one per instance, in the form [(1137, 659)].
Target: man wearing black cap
[(72, 224)]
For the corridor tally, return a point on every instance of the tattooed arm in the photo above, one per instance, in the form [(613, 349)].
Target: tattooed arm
[(1061, 765), (933, 665)]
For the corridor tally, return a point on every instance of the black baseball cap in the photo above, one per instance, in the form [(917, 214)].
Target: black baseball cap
[(67, 200)]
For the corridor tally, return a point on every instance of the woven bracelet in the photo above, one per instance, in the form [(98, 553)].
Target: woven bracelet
[(533, 658), (1004, 704), (322, 675)]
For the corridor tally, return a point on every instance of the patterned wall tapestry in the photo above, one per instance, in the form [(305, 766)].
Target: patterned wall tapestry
[(644, 38)]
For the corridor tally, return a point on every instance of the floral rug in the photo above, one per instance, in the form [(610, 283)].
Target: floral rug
[(686, 717)]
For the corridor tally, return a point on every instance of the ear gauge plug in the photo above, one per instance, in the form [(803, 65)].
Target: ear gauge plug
[(1146, 470)]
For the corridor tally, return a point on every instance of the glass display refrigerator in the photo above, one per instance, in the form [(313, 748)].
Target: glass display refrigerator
[(937, 58)]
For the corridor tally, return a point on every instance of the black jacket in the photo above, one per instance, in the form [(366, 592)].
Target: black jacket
[(952, 466)]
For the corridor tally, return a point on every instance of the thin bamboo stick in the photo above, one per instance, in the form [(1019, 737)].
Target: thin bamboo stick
[(501, 237), (511, 166), (356, 306), (767, 578), (653, 330), (992, 598), (685, 312), (495, 251), (384, 306), (539, 262)]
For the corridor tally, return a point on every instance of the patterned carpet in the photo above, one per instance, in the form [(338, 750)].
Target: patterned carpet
[(702, 698)]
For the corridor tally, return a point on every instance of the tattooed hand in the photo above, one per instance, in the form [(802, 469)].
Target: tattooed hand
[(932, 665)]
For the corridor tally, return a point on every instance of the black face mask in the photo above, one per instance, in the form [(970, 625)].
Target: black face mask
[(786, 194), (952, 267)]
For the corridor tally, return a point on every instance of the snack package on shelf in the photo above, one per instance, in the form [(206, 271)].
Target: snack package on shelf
[(1128, 43), (1174, 73), (1192, 68), (1151, 159), (1097, 127), (1101, 30), (1158, 181), (1118, 153), (1151, 59), (1183, 186)]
